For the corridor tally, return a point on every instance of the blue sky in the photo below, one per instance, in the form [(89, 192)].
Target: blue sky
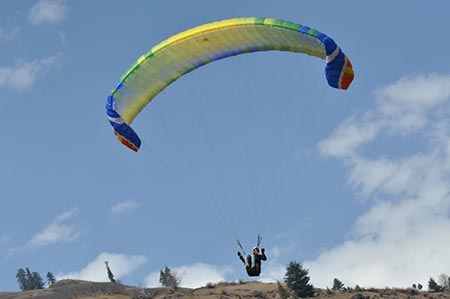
[(355, 183)]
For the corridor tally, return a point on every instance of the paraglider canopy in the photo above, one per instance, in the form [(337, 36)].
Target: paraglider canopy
[(191, 49)]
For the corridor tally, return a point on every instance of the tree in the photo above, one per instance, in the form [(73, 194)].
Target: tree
[(29, 280), (34, 280), (37, 281), (444, 281), (50, 278), (168, 279), (337, 285), (110, 274), (297, 280), (30, 284), (21, 277), (434, 286), (284, 294)]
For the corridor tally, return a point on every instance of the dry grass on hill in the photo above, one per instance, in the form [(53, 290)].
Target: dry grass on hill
[(76, 289)]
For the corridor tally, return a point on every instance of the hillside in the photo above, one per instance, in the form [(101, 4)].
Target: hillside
[(76, 289)]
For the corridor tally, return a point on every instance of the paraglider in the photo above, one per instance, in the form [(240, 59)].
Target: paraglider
[(253, 262), (191, 49), (186, 51)]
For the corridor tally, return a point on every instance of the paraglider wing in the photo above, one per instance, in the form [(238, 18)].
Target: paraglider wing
[(188, 50)]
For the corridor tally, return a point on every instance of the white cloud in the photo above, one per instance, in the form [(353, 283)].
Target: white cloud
[(8, 35), (192, 276), (403, 238), (200, 274), (273, 270), (350, 135), (24, 75), (392, 254), (120, 264), (401, 108), (47, 12), (124, 207), (57, 231), (414, 93)]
